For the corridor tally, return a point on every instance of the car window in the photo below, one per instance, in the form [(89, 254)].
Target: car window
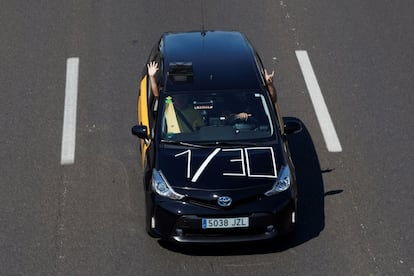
[(216, 116), (260, 66), (153, 101)]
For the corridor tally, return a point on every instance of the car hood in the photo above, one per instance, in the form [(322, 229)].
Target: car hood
[(219, 168)]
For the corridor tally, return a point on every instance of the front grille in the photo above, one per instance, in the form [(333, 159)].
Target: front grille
[(224, 232), (188, 228), (207, 204), (224, 235), (212, 204)]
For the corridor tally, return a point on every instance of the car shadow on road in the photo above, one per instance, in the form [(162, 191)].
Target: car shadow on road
[(310, 212), (311, 195)]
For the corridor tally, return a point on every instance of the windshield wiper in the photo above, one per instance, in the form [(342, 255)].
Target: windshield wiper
[(231, 143), (182, 143), (212, 144)]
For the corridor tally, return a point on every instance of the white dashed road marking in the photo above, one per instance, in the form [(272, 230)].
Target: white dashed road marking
[(69, 117), (322, 113)]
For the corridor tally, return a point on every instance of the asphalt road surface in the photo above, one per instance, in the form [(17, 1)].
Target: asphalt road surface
[(87, 217)]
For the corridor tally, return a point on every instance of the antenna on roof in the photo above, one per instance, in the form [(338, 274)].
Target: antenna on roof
[(203, 30)]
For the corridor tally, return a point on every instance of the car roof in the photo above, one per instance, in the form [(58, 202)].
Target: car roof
[(215, 60)]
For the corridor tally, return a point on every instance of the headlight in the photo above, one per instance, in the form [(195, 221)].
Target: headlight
[(282, 182), (161, 186)]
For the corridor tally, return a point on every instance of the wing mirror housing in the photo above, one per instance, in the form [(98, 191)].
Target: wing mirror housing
[(140, 131), (292, 126)]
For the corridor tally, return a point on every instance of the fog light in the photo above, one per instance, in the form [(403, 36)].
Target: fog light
[(152, 222), (179, 232), (270, 228), (293, 217)]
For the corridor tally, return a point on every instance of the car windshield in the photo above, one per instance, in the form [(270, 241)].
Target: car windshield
[(216, 117)]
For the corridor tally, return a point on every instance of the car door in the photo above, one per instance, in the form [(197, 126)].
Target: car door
[(142, 116), (147, 105)]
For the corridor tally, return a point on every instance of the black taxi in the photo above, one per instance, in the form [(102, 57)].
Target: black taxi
[(213, 145)]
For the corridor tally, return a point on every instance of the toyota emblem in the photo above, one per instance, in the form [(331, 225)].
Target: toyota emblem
[(224, 201)]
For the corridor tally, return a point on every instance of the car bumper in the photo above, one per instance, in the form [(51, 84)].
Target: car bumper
[(181, 222)]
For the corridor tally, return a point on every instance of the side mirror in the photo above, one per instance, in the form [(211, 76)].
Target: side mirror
[(140, 131), (292, 126)]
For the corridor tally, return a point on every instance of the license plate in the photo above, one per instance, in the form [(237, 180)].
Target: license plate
[(209, 223)]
